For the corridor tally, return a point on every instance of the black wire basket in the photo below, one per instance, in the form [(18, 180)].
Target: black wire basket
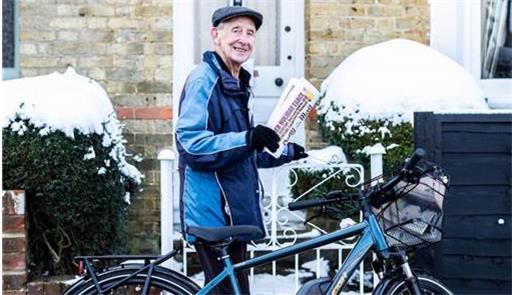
[(415, 219)]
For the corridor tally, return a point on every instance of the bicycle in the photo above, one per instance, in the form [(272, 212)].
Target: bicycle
[(401, 214)]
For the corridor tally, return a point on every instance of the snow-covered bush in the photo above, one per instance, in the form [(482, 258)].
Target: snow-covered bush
[(372, 95), (63, 145), (356, 136)]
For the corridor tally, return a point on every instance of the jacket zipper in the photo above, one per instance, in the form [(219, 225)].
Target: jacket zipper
[(261, 195), (228, 212)]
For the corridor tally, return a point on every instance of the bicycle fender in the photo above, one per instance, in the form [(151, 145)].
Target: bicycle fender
[(126, 270), (383, 285)]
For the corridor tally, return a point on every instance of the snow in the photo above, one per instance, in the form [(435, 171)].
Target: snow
[(376, 149), (346, 222), (63, 102), (66, 102), (392, 146), (312, 266), (90, 154), (265, 284), (481, 112), (391, 80), (321, 157)]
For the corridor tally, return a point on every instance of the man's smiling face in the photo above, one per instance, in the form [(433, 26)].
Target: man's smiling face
[(234, 40)]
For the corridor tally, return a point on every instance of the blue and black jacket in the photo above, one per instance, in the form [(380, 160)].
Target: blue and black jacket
[(218, 171)]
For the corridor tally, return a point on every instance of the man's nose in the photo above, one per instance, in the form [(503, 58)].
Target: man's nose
[(245, 38)]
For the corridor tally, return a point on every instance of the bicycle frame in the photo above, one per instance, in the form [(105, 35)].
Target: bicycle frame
[(371, 236)]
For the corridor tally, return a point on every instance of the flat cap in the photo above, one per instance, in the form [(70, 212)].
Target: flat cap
[(223, 14)]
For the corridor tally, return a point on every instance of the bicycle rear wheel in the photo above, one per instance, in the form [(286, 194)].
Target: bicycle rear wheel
[(163, 281), (429, 286)]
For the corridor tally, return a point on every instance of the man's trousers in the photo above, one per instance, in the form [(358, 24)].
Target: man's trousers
[(212, 266)]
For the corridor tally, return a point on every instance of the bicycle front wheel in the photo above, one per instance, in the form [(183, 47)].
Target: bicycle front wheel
[(429, 286), (162, 281)]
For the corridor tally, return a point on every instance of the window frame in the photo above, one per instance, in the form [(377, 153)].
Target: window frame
[(14, 72), (456, 30)]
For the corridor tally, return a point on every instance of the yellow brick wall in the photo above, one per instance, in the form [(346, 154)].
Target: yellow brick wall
[(337, 28), (125, 45)]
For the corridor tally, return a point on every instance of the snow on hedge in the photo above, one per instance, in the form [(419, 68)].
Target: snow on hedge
[(393, 79), (66, 102)]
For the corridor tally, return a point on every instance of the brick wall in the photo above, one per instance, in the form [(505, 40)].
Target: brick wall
[(125, 45), (14, 243), (337, 28)]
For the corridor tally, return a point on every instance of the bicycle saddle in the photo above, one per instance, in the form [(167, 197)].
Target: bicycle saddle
[(221, 233)]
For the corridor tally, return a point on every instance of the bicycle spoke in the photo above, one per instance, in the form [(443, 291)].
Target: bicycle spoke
[(137, 290)]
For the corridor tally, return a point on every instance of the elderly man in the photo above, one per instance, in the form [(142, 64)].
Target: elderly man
[(219, 148)]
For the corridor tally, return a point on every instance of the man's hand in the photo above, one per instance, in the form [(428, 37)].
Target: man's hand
[(260, 137), (298, 151)]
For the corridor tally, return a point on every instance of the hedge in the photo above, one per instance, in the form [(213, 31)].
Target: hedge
[(77, 191)]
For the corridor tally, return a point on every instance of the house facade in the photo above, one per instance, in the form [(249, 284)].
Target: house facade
[(141, 50)]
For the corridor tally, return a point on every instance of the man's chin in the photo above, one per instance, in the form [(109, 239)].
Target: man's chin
[(239, 61)]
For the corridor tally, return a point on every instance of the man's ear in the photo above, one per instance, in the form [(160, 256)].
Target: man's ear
[(214, 33)]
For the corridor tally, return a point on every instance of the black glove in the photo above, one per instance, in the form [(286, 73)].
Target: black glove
[(260, 137), (298, 151)]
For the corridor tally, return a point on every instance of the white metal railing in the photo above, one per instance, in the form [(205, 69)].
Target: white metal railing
[(167, 171), (283, 226)]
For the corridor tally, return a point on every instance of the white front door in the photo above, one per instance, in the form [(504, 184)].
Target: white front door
[(278, 55)]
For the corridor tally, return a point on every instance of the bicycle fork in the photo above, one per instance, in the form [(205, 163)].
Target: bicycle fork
[(411, 280)]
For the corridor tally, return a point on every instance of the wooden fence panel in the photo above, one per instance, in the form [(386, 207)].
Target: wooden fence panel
[(476, 149)]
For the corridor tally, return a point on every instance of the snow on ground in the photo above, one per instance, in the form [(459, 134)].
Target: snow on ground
[(65, 102), (393, 79), (266, 284), (323, 265)]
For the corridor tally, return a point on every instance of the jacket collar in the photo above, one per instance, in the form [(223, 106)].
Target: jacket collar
[(229, 84)]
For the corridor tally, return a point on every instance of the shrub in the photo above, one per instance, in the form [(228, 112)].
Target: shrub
[(77, 190), (356, 135)]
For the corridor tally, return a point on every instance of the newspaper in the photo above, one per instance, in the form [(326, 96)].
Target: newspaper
[(294, 105)]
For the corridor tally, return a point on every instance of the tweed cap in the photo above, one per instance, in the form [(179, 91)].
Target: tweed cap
[(223, 14)]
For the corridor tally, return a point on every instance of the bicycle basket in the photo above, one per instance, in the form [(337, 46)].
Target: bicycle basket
[(415, 218)]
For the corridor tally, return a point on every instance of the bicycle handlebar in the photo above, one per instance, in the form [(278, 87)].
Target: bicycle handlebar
[(377, 196), (299, 205), (411, 163), (332, 197), (380, 195)]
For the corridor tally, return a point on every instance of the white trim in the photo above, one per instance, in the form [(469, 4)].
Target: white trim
[(183, 46), (443, 27), (299, 38), (470, 25), (455, 30)]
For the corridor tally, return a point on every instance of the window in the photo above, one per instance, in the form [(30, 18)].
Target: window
[(476, 34), (10, 51), (496, 39)]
